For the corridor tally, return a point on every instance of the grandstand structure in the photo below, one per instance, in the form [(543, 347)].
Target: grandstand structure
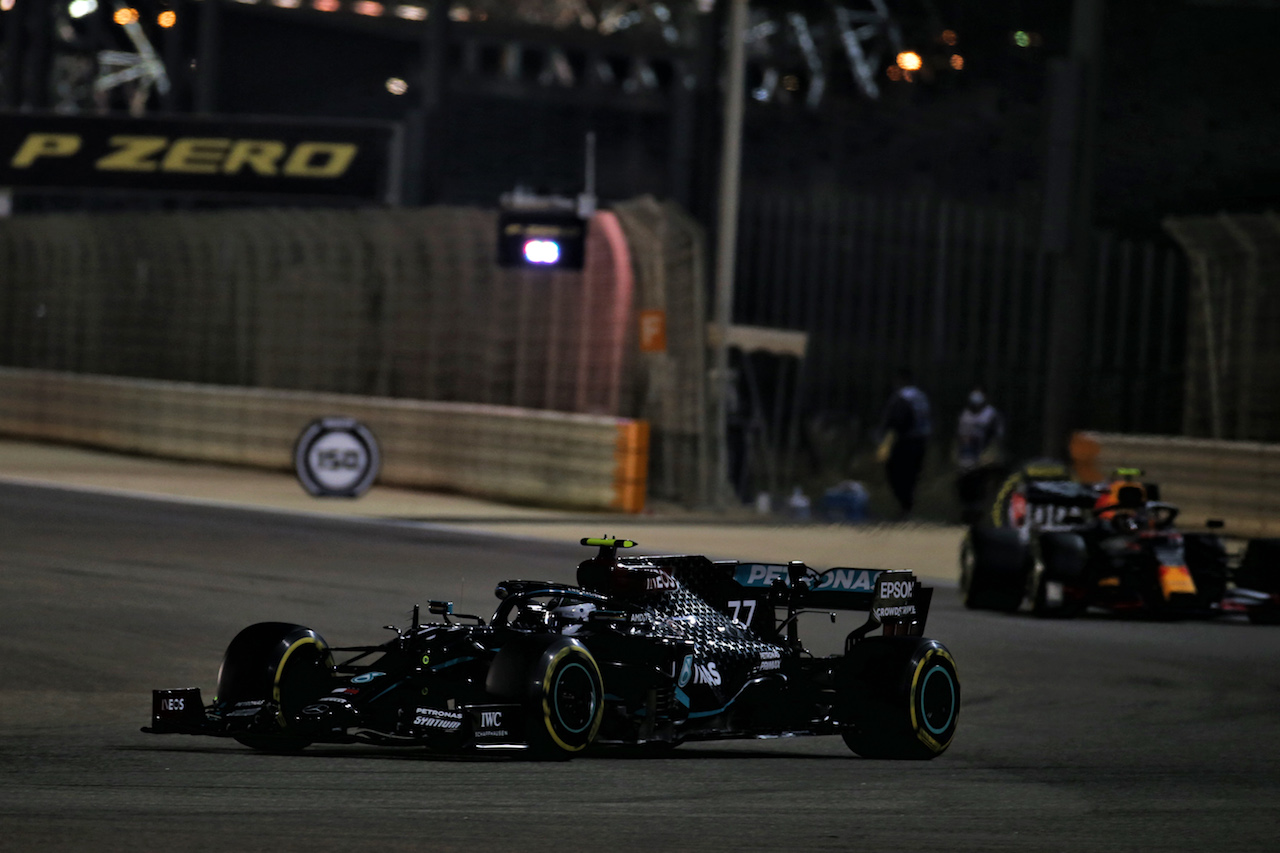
[(490, 92)]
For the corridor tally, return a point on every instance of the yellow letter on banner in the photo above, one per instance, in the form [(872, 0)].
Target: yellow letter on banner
[(38, 145), (331, 159)]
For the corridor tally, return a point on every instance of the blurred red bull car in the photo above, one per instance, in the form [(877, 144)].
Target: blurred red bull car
[(1065, 547)]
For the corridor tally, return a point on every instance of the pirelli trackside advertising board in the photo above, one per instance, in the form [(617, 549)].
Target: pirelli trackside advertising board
[(199, 156)]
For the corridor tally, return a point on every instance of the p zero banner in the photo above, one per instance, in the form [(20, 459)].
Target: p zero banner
[(200, 156)]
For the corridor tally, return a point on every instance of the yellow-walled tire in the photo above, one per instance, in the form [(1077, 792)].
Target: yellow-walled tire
[(286, 664), (899, 698), (566, 700)]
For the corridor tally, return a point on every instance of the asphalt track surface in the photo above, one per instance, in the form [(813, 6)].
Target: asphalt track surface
[(1092, 734)]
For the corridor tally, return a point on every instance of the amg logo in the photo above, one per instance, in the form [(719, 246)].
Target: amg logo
[(196, 155)]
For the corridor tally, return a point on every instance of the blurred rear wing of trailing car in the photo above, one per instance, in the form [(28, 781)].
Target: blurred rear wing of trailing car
[(893, 598)]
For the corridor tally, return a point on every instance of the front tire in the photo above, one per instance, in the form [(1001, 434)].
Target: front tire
[(561, 688), (285, 664), (567, 701), (1206, 557), (899, 698), (1059, 576)]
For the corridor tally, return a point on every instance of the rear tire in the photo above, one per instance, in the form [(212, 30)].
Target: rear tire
[(1264, 615), (278, 662), (1260, 571), (993, 569), (899, 698)]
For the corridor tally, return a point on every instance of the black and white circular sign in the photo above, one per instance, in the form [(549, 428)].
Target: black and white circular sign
[(336, 458)]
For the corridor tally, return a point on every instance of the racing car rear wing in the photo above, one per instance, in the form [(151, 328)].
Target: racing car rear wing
[(893, 598)]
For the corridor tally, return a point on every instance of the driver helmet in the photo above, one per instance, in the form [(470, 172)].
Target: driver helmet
[(574, 613), (1122, 496)]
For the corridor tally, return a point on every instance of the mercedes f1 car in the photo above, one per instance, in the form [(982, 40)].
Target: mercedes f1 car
[(1066, 546), (644, 652)]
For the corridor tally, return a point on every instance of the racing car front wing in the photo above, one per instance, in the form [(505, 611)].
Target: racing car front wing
[(488, 726)]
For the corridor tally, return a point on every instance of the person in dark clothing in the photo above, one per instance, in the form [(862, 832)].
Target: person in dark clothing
[(978, 455), (904, 436)]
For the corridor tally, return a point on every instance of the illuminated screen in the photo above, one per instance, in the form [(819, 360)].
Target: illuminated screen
[(541, 239), (541, 251)]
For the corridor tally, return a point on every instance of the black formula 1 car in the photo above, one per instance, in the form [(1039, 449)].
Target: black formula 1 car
[(1067, 546), (646, 652)]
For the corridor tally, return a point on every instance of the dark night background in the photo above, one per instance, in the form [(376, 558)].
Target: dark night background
[(1189, 114), (1188, 109)]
